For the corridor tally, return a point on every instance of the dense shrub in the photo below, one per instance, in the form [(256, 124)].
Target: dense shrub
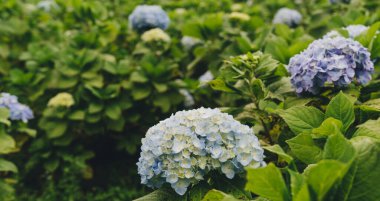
[(98, 74)]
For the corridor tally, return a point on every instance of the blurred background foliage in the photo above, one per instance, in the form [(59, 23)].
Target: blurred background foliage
[(121, 86)]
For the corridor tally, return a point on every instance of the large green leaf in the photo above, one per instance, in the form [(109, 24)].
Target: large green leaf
[(338, 148), (7, 143), (162, 194), (370, 128), (324, 175), (267, 182), (215, 195), (304, 148), (341, 108), (302, 119), (280, 152), (366, 183), (7, 166), (329, 126)]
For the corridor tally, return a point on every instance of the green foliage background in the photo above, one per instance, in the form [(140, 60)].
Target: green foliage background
[(123, 86)]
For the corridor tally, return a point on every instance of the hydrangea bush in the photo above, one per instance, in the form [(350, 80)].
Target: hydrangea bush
[(287, 16), (182, 149), (146, 17), (334, 60)]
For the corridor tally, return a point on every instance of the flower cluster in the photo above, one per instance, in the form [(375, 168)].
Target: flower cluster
[(145, 17), (182, 149), (335, 60), (353, 31), (287, 16), (47, 5), (206, 77), (155, 35), (239, 16), (189, 99), (17, 110), (189, 42), (62, 100)]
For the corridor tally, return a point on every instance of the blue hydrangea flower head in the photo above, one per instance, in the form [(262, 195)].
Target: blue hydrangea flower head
[(145, 17), (335, 60), (287, 16), (17, 110), (182, 149)]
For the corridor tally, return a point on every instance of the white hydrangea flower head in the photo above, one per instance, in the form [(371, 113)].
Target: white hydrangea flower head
[(237, 7), (155, 35), (239, 16), (62, 100), (353, 31), (287, 16), (189, 99), (47, 5), (189, 42), (206, 77), (182, 149)]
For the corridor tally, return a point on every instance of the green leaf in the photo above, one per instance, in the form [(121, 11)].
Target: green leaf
[(304, 148), (267, 182), (7, 166), (338, 148), (116, 125), (366, 183), (371, 105), (370, 128), (302, 119), (77, 115), (28, 131), (324, 175), (7, 143), (280, 152), (113, 111), (162, 194), (4, 115), (215, 195), (328, 127), (297, 181), (198, 191), (139, 93), (56, 129), (138, 77), (220, 85), (234, 187), (341, 108)]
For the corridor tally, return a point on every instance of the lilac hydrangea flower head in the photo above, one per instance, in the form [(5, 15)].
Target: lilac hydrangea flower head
[(287, 16), (334, 60), (17, 110), (182, 149), (145, 17)]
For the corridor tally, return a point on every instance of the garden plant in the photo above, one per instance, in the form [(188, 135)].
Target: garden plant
[(191, 100)]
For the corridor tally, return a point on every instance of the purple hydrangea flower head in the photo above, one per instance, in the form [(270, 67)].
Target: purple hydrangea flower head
[(145, 17), (335, 60), (182, 149), (287, 16), (17, 110)]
